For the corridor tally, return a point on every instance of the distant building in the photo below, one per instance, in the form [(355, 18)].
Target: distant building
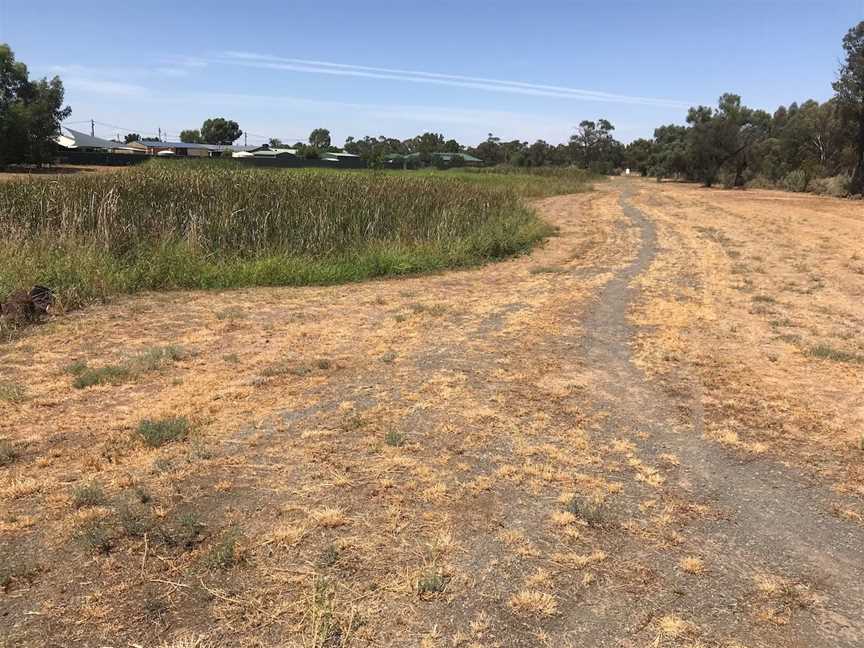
[(83, 142), (180, 149), (444, 159)]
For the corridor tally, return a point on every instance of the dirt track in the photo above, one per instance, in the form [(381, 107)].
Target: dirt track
[(687, 363)]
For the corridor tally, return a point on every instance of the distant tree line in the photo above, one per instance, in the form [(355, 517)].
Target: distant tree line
[(30, 113), (811, 146), (592, 146)]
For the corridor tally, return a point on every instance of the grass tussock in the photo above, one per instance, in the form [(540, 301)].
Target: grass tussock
[(152, 359), (8, 453), (86, 495), (158, 432), (533, 603), (12, 392), (827, 352), (177, 225)]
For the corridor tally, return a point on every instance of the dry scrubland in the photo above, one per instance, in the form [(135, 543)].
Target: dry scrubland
[(642, 434)]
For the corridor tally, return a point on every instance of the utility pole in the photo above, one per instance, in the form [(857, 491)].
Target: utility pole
[(160, 132), (92, 128), (245, 141)]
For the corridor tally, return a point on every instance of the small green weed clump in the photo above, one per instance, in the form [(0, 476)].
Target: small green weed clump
[(12, 392), (152, 359), (394, 438), (90, 494), (157, 432), (590, 510)]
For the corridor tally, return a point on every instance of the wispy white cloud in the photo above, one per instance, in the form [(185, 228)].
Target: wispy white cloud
[(104, 87), (401, 112), (265, 61)]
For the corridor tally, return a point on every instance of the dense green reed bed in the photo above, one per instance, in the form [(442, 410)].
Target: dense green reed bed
[(197, 225)]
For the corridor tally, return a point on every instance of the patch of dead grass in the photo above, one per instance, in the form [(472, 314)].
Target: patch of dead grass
[(533, 603)]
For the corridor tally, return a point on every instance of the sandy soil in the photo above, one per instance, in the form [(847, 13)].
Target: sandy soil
[(644, 434)]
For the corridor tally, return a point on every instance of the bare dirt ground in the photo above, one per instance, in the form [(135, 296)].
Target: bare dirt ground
[(644, 434)]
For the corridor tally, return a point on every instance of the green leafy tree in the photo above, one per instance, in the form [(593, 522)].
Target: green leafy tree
[(669, 158), (220, 131), (489, 151), (538, 154), (308, 152), (425, 144), (722, 139), (638, 155), (30, 113), (192, 137), (451, 146), (849, 87), (274, 142), (132, 137), (593, 146), (319, 138)]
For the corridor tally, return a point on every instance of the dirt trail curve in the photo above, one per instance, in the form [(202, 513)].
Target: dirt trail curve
[(771, 519), (624, 439)]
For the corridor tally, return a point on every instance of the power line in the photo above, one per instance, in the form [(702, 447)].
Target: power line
[(165, 134)]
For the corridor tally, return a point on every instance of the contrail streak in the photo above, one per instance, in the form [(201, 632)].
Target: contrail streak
[(265, 61)]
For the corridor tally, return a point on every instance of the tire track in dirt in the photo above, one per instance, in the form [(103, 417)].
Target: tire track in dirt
[(771, 522)]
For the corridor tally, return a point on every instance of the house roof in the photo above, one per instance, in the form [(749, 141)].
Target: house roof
[(274, 152), (76, 139), (445, 156), (178, 145)]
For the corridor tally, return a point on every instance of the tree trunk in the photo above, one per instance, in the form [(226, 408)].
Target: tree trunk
[(739, 175), (857, 184)]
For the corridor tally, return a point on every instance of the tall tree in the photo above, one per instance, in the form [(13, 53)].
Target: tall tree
[(721, 139), (132, 137), (638, 155), (192, 137), (30, 113), (319, 138), (220, 131), (850, 95), (593, 147)]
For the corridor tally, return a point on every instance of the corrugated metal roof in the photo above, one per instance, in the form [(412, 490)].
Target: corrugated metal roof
[(178, 145), (77, 139)]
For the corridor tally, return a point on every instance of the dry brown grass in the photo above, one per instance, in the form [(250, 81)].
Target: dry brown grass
[(502, 514), (533, 603), (692, 565), (750, 336)]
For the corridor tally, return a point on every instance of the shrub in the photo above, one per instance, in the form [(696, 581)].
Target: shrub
[(394, 438), (8, 454), (12, 392), (96, 535), (151, 359), (431, 583), (796, 180), (133, 520), (225, 553), (76, 367), (836, 186), (761, 182), (161, 431), (588, 509), (88, 495), (109, 375)]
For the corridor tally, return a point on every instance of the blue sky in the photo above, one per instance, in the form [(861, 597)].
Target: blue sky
[(526, 69)]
